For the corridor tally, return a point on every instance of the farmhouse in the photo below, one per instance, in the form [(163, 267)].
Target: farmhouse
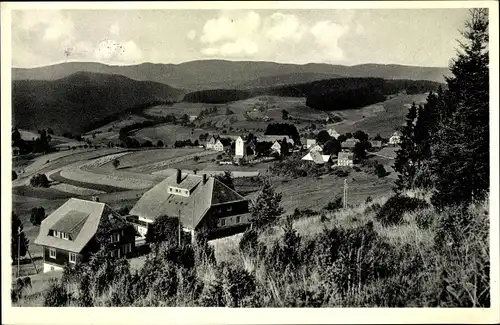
[(310, 143), (192, 118), (199, 201), (345, 158), (273, 138), (218, 146), (333, 133), (80, 227), (349, 143), (395, 138), (376, 144), (212, 141), (317, 157), (316, 148)]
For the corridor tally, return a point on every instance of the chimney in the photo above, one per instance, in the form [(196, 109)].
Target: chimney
[(205, 178), (179, 176)]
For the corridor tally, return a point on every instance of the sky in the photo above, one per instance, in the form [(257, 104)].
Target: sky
[(419, 37)]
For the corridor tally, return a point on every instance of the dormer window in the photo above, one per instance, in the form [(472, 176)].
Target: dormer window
[(56, 234), (65, 236)]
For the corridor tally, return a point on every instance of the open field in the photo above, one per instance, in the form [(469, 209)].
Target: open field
[(144, 157), (115, 126)]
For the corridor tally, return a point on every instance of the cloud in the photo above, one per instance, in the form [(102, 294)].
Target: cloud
[(240, 47), (54, 24), (327, 35), (191, 34), (283, 27), (115, 29), (226, 28)]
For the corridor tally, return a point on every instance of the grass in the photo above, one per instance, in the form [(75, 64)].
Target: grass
[(87, 185), (144, 157)]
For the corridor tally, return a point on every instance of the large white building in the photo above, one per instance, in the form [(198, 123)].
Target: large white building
[(240, 151)]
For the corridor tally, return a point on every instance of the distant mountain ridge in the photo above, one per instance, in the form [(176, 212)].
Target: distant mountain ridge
[(212, 74), (74, 102)]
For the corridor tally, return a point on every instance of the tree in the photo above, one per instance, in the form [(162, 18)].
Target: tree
[(360, 150), (266, 208), (226, 179), (39, 180), (14, 175), (18, 239), (116, 163), (147, 144), (196, 158), (332, 147), (164, 229), (361, 136), (37, 215), (196, 143), (159, 144), (460, 153), (284, 114), (405, 155), (378, 137), (323, 136), (380, 170)]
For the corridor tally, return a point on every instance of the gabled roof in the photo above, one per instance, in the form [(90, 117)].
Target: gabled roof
[(349, 143), (317, 157), (158, 202), (79, 218)]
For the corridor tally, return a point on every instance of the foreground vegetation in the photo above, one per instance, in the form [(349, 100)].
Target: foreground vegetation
[(351, 257)]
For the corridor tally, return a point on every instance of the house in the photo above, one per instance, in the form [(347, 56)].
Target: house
[(211, 141), (349, 143), (276, 147), (333, 133), (273, 138), (317, 157), (310, 143), (218, 146), (81, 227), (192, 118), (199, 201), (345, 158), (376, 144), (395, 139), (316, 148)]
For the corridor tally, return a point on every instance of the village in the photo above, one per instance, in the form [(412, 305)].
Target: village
[(200, 201)]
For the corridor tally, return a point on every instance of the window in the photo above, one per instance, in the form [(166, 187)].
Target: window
[(72, 257), (127, 248), (64, 235), (52, 252), (56, 233), (115, 237), (229, 208)]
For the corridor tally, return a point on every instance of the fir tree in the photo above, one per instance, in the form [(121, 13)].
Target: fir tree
[(461, 149), (403, 163), (266, 208)]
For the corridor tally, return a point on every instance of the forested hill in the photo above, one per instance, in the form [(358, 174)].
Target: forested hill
[(74, 102), (330, 94)]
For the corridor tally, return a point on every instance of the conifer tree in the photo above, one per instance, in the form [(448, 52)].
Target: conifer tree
[(18, 240), (266, 208), (461, 148), (405, 154)]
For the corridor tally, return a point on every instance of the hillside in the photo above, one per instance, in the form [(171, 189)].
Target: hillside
[(287, 79), (75, 102), (207, 74)]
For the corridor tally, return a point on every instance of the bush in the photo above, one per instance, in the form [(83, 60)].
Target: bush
[(425, 219), (160, 144), (334, 206), (341, 172), (393, 210), (39, 180), (380, 170), (248, 242), (37, 215), (238, 285), (56, 295)]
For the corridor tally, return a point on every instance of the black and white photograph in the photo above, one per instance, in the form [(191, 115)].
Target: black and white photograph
[(238, 155)]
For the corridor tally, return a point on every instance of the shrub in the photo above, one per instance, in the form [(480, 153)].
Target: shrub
[(196, 158), (39, 180), (56, 295), (212, 295), (334, 206), (37, 216), (248, 242), (160, 144), (238, 285), (393, 210), (380, 170), (373, 208), (341, 172)]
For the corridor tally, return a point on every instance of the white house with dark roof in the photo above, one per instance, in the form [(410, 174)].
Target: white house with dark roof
[(333, 133), (317, 157), (395, 139), (199, 201), (345, 158), (80, 227)]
